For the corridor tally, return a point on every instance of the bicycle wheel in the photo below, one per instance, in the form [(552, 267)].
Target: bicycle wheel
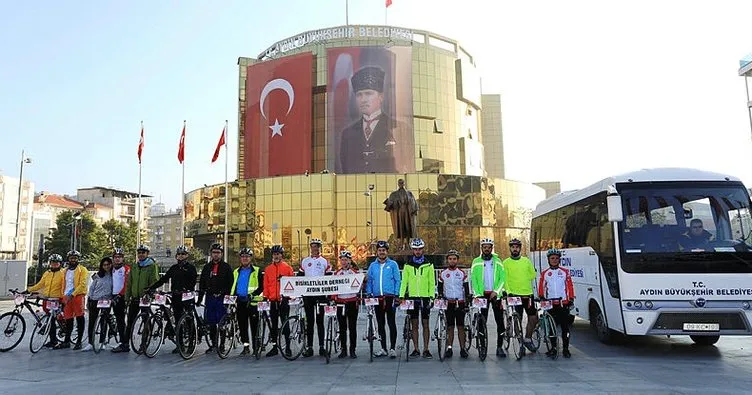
[(139, 331), (406, 335), (225, 336), (482, 339), (441, 333), (370, 336), (187, 335), (113, 331), (536, 338), (468, 332), (13, 327), (506, 339), (100, 333), (550, 337), (39, 334), (515, 341), (291, 338), (156, 335), (258, 346)]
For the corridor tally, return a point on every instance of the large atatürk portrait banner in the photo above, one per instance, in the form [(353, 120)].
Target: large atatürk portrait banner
[(370, 110), (278, 117)]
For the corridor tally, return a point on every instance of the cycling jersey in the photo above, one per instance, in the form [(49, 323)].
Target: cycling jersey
[(452, 283), (383, 278), (556, 283), (318, 266), (478, 276), (520, 275), (342, 298)]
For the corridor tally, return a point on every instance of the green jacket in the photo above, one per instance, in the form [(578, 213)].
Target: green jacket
[(141, 277), (419, 281), (477, 285), (253, 284)]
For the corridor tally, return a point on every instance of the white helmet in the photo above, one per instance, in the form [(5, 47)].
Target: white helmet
[(316, 241), (486, 240), (417, 243)]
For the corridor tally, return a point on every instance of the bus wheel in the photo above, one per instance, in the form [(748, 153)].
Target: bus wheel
[(704, 340), (598, 322)]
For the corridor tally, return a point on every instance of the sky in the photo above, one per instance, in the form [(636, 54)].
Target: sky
[(589, 88)]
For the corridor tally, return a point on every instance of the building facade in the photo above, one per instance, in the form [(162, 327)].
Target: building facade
[(120, 205), (164, 232), (313, 166), (9, 214), (47, 207)]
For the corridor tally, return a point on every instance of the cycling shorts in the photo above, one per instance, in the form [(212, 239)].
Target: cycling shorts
[(455, 313), (422, 307), (527, 305)]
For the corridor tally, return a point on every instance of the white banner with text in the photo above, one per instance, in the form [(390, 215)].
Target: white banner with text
[(320, 285)]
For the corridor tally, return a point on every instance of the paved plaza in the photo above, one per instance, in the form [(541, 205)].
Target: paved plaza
[(641, 366)]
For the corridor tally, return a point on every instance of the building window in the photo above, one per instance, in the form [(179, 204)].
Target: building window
[(438, 126)]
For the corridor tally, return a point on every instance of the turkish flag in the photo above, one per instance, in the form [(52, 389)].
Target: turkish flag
[(181, 146), (388, 3), (141, 143), (220, 143), (278, 127)]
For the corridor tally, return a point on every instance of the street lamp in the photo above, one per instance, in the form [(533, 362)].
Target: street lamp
[(24, 160), (369, 194), (76, 216)]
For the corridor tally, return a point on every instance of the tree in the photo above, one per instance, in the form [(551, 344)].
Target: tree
[(121, 235), (91, 240)]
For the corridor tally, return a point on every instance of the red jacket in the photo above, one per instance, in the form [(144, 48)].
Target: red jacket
[(272, 273)]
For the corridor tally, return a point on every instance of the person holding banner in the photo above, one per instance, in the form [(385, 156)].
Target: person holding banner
[(383, 281), (348, 319), (419, 284), (311, 266), (215, 283), (247, 285), (280, 308)]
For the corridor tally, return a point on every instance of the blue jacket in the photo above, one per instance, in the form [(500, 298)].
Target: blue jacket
[(383, 279)]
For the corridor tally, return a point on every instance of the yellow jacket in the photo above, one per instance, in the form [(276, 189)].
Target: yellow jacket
[(80, 280), (51, 285)]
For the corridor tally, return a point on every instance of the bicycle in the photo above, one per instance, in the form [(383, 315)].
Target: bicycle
[(105, 326), (227, 330), (372, 335), (160, 320), (42, 325), (440, 331), (476, 328), (548, 325), (407, 329), (42, 322), (140, 328), (191, 328), (513, 336), (15, 319), (263, 328), (293, 332), (331, 333)]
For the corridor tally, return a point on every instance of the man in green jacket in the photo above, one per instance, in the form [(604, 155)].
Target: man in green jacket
[(141, 276), (419, 284), (487, 278)]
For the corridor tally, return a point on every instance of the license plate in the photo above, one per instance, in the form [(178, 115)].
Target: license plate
[(230, 299), (330, 311), (144, 302), (264, 306), (295, 301), (372, 302), (160, 299), (407, 305), (104, 304), (702, 327), (480, 303), (514, 301), (546, 305), (19, 299), (187, 296), (440, 304)]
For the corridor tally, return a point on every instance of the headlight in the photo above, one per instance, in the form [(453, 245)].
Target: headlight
[(638, 304), (648, 305), (745, 305)]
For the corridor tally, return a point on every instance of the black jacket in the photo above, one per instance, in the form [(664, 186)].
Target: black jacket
[(219, 284), (183, 278)]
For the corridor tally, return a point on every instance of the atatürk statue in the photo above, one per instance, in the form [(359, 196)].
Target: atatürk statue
[(403, 208)]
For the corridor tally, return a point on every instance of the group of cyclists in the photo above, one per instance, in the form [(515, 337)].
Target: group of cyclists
[(490, 278)]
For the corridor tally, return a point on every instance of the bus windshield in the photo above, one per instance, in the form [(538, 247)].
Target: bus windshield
[(686, 227)]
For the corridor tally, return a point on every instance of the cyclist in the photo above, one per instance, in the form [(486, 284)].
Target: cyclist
[(556, 282), (348, 319), (142, 274), (419, 284), (454, 288), (314, 265), (487, 280), (99, 289), (247, 285), (520, 276), (384, 280), (51, 286), (279, 308), (215, 282), (182, 277), (74, 291), (120, 273)]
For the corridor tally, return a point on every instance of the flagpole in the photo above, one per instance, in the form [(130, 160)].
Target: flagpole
[(138, 221), (227, 190), (386, 9), (347, 12), (182, 196)]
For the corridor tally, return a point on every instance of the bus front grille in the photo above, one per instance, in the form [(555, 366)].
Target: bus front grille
[(676, 321)]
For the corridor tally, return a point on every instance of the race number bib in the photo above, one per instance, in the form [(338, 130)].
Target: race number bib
[(144, 302), (104, 303), (187, 296), (514, 301), (160, 299), (480, 303), (546, 305), (264, 306), (295, 301), (230, 299), (330, 311), (19, 299), (372, 302), (440, 304), (52, 304), (407, 305)]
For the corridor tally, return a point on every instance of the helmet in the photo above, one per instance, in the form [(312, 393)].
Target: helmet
[(73, 253), (514, 242), (143, 247), (181, 250), (345, 254), (417, 243), (216, 246), (316, 241), (278, 249), (245, 251), (382, 244), (553, 251), (453, 252), (486, 240), (118, 251), (55, 258)]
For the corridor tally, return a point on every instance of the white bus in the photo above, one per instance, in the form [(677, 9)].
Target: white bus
[(654, 252)]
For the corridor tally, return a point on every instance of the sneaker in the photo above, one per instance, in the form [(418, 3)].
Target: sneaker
[(87, 348), (77, 347), (427, 354), (528, 343), (50, 345), (380, 353), (308, 352), (342, 354), (392, 354), (62, 345), (272, 352), (414, 354), (522, 350), (448, 353), (288, 352), (463, 353), (246, 350), (566, 353), (175, 351), (500, 352), (210, 350), (352, 355), (122, 348), (322, 351)]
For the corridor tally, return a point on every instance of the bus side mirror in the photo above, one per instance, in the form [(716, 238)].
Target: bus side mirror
[(615, 213)]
